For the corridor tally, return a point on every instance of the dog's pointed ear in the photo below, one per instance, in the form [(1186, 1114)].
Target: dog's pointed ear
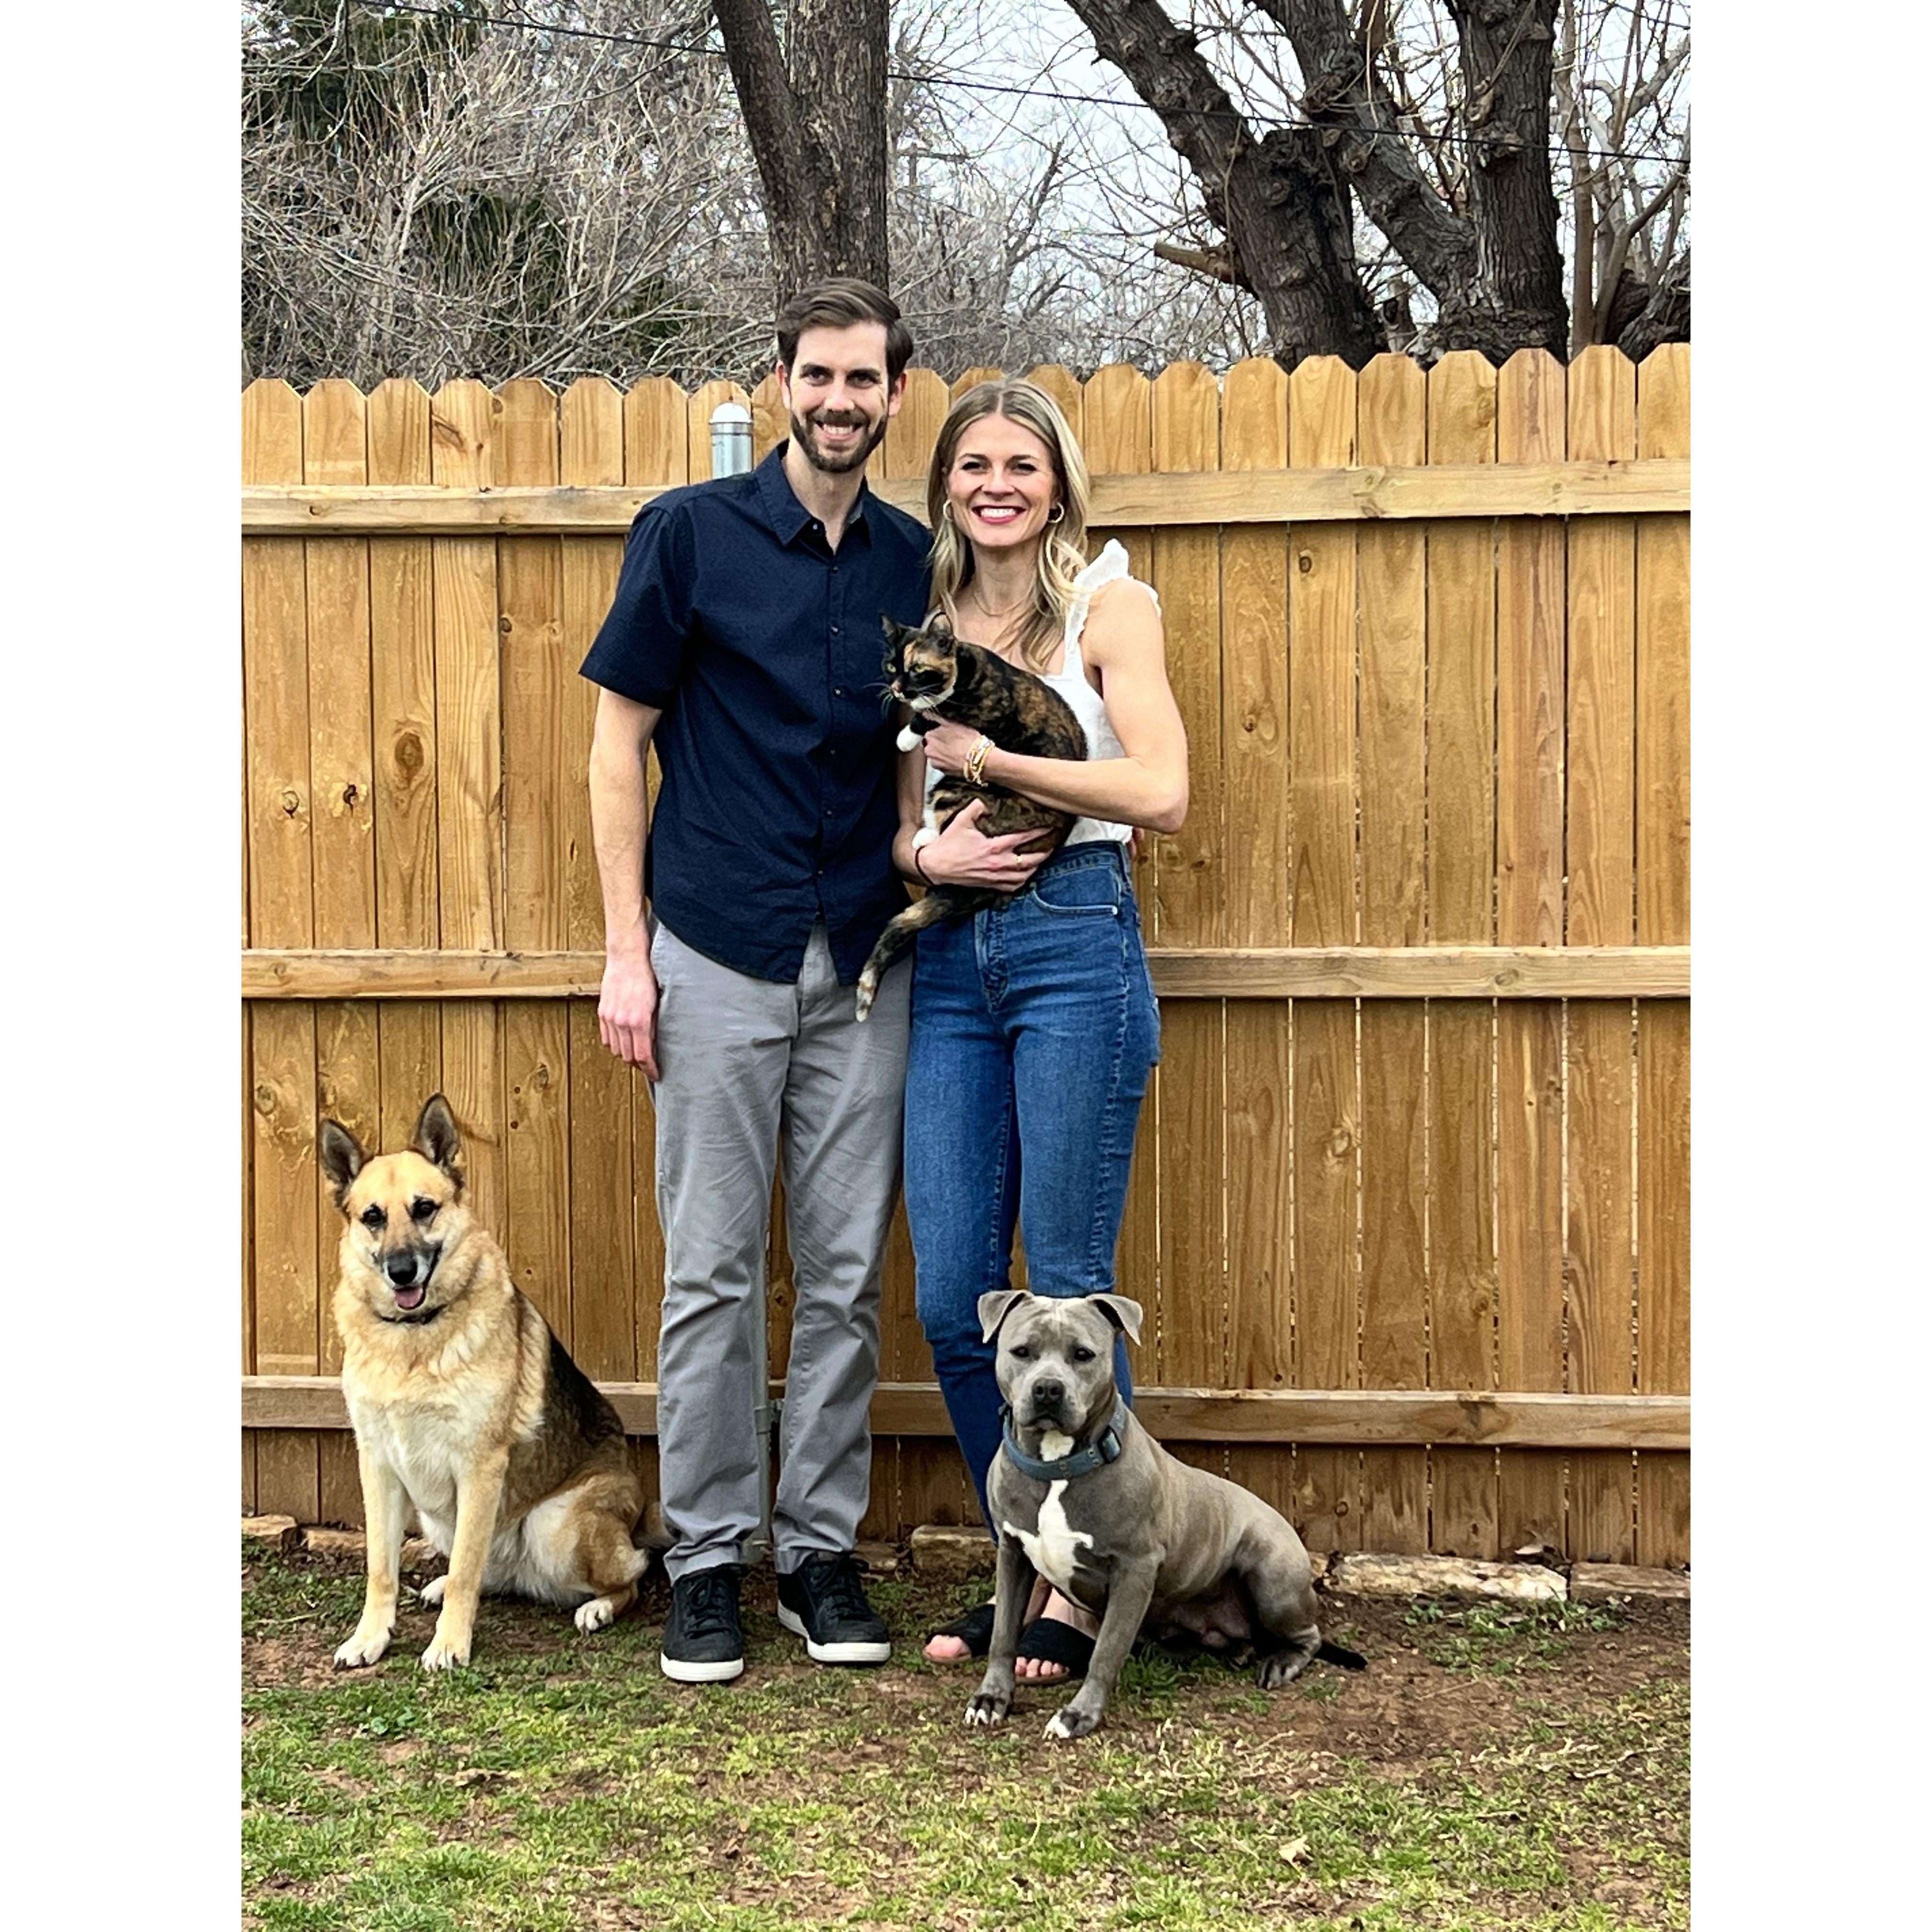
[(436, 1138), (1122, 1313), (342, 1158), (995, 1307)]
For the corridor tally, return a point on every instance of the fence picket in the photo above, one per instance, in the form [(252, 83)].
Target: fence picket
[(402, 640), (537, 782), (1599, 1233), (469, 799), (1392, 428), (1118, 418), (1663, 918), (1530, 576), (1321, 408), (274, 656), (1462, 827), (601, 1176)]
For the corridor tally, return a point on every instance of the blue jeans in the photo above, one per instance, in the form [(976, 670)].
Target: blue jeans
[(1033, 1028)]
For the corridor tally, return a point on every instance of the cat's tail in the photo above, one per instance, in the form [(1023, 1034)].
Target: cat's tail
[(940, 902)]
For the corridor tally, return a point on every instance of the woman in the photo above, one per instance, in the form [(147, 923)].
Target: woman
[(1034, 1023)]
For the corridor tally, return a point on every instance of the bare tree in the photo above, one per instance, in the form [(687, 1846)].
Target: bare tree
[(1394, 158), (814, 108)]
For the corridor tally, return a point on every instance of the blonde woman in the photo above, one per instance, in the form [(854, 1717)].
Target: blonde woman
[(1034, 1023)]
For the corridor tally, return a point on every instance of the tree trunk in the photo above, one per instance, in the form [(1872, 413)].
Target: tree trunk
[(1665, 316), (817, 124), (1507, 51), (1282, 203)]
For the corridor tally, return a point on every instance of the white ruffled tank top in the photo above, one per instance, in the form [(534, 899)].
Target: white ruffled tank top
[(1070, 681)]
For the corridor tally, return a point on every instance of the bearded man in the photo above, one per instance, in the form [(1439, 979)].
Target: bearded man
[(744, 642)]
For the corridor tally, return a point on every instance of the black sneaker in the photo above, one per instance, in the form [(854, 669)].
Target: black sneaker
[(702, 1643), (823, 1601)]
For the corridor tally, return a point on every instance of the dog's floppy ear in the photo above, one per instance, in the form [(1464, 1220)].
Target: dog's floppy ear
[(995, 1307), (436, 1138), (1122, 1313), (342, 1158)]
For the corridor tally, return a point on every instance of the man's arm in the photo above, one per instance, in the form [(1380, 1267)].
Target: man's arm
[(628, 1005)]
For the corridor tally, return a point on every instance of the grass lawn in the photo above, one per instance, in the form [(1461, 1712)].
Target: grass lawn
[(1490, 1769)]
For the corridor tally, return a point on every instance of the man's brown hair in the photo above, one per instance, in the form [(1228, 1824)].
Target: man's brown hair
[(843, 302)]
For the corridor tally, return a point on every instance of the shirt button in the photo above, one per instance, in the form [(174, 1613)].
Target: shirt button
[(835, 630)]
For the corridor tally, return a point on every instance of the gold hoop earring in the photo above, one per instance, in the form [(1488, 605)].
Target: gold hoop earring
[(945, 511), (1054, 515)]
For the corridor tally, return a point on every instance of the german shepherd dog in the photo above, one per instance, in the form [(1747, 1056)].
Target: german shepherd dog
[(930, 667), (467, 1407)]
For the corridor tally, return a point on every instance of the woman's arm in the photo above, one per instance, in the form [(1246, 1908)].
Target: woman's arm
[(1124, 642), (961, 855)]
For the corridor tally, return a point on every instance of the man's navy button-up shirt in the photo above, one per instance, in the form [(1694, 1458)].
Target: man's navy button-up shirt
[(762, 647)]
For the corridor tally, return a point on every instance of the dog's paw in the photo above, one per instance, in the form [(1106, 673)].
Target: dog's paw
[(1282, 1667), (431, 1592), (444, 1653), (987, 1707), (594, 1614), (364, 1648), (1072, 1722)]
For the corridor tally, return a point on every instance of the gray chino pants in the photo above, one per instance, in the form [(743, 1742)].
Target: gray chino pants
[(751, 1072)]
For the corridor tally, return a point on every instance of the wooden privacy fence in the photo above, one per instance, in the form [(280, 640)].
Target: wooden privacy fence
[(1410, 1210)]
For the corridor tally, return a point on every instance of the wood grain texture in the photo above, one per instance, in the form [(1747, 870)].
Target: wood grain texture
[(1460, 874), (1601, 838), (1531, 570), (469, 800), (402, 646), (1254, 810), (1117, 435), (602, 1171), (1204, 1416), (1391, 580), (1179, 972), (1664, 914), (274, 645), (1355, 494), (1327, 1100), (1186, 907), (543, 773)]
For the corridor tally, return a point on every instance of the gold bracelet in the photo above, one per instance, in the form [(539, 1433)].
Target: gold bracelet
[(975, 772)]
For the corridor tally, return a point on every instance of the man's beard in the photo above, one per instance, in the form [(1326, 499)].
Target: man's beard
[(846, 461)]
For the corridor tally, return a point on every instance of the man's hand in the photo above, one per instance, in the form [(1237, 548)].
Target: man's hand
[(962, 855), (627, 1010)]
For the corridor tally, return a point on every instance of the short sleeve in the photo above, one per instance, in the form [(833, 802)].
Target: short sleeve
[(640, 652)]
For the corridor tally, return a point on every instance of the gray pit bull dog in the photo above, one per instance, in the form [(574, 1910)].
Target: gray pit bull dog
[(1082, 1494)]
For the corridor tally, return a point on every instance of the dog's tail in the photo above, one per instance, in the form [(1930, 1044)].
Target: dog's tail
[(1349, 1660)]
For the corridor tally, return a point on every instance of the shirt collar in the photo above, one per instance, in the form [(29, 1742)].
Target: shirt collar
[(788, 518)]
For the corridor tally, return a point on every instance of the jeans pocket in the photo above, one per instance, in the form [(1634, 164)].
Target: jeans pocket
[(1079, 891)]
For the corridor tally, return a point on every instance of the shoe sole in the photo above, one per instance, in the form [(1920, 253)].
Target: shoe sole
[(680, 1671), (834, 1653)]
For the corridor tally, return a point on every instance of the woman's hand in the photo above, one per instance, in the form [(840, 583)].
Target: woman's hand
[(947, 745), (962, 855)]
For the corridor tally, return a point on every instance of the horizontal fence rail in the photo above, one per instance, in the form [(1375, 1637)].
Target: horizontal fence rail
[(1472, 1417), (1409, 1211), (1226, 973), (1251, 496)]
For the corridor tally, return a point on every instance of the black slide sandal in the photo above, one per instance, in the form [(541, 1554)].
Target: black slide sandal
[(1047, 1640), (974, 1630)]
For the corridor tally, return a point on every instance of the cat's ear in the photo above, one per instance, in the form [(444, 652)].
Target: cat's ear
[(940, 626), (892, 631)]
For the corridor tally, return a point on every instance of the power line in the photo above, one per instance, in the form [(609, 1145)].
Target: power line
[(988, 86)]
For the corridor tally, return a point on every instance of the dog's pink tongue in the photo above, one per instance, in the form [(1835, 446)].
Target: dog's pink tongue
[(410, 1297)]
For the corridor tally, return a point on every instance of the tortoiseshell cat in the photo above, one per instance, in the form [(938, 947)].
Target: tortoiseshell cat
[(932, 670)]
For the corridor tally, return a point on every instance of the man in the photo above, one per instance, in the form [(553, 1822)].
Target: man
[(745, 642)]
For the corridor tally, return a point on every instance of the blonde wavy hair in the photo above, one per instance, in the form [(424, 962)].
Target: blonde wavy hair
[(1063, 550)]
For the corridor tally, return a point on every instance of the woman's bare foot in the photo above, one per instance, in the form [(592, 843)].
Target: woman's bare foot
[(1056, 1608), (947, 1646)]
